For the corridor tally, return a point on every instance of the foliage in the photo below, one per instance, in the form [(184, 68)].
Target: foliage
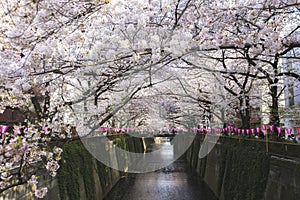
[(87, 63), (23, 152), (78, 162)]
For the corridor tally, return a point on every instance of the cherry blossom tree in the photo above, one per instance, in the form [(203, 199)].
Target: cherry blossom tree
[(44, 45), (63, 56), (257, 33)]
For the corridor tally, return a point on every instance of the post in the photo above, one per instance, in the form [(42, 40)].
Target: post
[(267, 143), (265, 131)]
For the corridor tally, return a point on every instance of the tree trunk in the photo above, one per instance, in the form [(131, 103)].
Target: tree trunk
[(274, 109), (245, 112), (274, 112)]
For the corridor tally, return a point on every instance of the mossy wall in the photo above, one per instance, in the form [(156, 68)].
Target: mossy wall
[(243, 170), (82, 177)]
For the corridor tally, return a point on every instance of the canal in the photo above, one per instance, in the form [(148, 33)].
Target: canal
[(177, 181)]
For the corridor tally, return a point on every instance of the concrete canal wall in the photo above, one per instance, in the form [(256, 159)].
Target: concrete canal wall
[(241, 169), (234, 169), (80, 177)]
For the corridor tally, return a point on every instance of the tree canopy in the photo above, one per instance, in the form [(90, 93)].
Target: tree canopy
[(63, 62)]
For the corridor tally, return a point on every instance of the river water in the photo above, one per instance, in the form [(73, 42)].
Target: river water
[(174, 182)]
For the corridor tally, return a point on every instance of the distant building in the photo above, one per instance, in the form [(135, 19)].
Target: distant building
[(292, 92)]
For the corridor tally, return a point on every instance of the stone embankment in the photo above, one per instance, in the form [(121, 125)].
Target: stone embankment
[(80, 176), (243, 169)]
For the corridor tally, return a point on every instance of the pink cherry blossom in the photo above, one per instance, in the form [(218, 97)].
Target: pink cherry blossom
[(41, 193)]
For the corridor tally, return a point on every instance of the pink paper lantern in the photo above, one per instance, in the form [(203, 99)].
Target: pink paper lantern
[(4, 129), (298, 131), (289, 131), (279, 130), (271, 127), (258, 129), (247, 131), (243, 131), (252, 131)]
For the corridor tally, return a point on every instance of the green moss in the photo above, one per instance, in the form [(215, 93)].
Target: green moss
[(86, 169), (76, 161), (244, 170), (68, 173), (120, 142), (104, 174)]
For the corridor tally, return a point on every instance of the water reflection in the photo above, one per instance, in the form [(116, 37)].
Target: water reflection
[(162, 140), (176, 181)]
